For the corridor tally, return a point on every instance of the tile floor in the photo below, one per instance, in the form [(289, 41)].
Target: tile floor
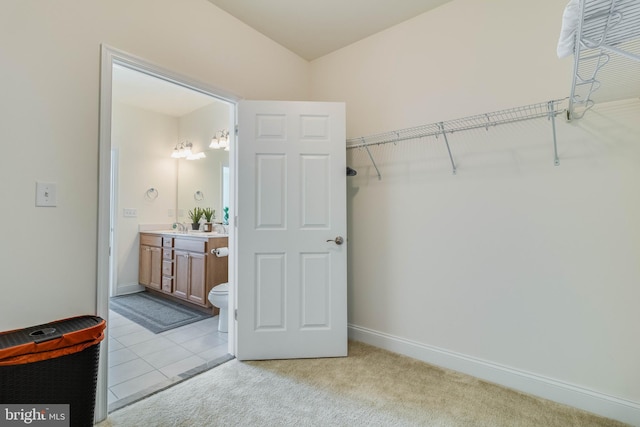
[(141, 362)]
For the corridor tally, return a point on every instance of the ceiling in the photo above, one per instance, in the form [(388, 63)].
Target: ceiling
[(313, 28)]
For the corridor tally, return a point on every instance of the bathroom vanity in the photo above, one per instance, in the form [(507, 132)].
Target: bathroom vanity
[(181, 265)]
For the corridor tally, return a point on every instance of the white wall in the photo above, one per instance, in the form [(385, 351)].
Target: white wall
[(514, 269), (49, 75)]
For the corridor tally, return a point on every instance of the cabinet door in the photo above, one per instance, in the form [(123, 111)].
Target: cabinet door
[(181, 268), (144, 265), (196, 290), (155, 280)]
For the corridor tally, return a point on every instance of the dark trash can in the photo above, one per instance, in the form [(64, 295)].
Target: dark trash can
[(51, 364)]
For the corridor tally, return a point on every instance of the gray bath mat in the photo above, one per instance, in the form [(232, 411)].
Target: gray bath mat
[(155, 313)]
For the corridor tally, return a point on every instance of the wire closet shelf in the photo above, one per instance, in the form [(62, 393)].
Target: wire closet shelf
[(486, 121)]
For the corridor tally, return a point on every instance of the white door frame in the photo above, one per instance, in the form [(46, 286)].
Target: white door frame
[(109, 57), (113, 223)]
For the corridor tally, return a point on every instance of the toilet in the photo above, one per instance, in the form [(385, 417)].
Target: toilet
[(219, 297)]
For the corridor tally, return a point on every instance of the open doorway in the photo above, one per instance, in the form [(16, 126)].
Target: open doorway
[(146, 113)]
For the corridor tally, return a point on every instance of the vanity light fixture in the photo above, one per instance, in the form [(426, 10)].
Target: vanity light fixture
[(222, 141), (196, 156), (183, 150)]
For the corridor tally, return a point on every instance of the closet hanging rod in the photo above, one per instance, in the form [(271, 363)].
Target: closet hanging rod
[(480, 121)]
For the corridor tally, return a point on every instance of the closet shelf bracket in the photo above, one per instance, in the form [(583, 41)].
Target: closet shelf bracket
[(446, 141), (372, 161), (552, 116)]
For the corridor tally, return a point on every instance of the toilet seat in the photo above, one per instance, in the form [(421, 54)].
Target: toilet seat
[(220, 289)]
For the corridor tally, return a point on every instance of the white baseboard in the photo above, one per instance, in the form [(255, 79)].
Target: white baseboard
[(130, 288), (547, 388)]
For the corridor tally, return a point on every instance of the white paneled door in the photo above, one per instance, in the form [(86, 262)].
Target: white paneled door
[(291, 236)]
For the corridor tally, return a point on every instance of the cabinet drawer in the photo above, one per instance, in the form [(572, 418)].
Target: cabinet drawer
[(189, 245), (167, 268), (167, 284), (150, 240), (167, 254), (167, 242)]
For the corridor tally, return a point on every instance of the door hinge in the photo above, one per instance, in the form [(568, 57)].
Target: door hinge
[(236, 130), (235, 314)]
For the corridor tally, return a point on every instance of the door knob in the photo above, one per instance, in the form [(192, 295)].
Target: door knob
[(338, 240)]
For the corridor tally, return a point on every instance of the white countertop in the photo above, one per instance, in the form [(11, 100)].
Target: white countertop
[(190, 234)]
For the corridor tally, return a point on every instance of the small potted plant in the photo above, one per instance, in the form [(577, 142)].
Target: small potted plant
[(196, 216), (209, 215)]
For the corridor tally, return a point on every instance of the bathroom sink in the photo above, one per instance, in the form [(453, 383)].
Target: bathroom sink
[(191, 233), (166, 232)]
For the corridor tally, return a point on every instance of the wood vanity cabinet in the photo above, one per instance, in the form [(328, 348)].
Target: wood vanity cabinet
[(167, 265), (150, 261), (188, 267)]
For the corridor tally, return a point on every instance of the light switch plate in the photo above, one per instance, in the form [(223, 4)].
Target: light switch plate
[(46, 194)]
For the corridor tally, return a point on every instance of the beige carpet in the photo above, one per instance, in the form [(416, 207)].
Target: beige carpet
[(370, 387)]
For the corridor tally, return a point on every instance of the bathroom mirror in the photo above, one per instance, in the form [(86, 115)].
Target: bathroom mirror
[(199, 183)]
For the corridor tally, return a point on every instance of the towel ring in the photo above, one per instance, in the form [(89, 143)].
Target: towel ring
[(151, 194), (198, 195)]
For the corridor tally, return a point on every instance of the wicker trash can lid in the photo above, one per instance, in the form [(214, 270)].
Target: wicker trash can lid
[(55, 339)]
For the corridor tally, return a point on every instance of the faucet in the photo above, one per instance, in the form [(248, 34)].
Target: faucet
[(180, 226), (218, 227)]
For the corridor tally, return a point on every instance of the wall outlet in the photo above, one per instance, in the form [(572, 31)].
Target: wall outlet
[(46, 194), (130, 212)]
